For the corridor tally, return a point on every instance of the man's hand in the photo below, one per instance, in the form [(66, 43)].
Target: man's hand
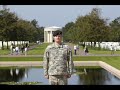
[(47, 76)]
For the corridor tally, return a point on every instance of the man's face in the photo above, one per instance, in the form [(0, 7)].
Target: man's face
[(58, 38)]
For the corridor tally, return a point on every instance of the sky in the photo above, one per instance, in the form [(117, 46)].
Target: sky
[(59, 15)]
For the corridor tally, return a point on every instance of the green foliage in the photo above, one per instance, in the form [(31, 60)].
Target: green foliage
[(13, 28), (39, 50), (67, 31), (21, 58), (90, 27), (115, 30), (19, 83)]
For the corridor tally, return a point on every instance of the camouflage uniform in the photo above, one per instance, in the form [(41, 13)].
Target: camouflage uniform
[(57, 63)]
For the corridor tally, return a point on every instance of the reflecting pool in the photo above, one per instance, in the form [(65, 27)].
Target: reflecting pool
[(88, 76)]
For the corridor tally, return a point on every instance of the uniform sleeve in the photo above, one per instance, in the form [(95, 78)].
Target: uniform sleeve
[(70, 63), (46, 61)]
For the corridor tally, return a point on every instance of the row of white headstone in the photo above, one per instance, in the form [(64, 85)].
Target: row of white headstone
[(106, 45), (14, 42)]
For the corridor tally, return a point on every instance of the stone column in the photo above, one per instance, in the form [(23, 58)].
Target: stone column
[(48, 36), (51, 36), (44, 36)]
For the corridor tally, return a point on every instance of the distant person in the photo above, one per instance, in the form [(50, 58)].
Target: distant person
[(26, 48), (17, 50), (86, 50), (22, 48), (26, 45), (75, 49), (26, 51)]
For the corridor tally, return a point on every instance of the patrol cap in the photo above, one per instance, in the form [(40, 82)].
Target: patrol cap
[(58, 32)]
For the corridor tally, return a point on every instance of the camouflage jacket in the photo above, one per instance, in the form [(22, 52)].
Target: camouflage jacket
[(57, 60)]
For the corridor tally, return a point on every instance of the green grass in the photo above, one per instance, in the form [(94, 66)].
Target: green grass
[(95, 50), (107, 52), (39, 50), (112, 60), (4, 52), (102, 51), (20, 67), (96, 58), (20, 83), (21, 58)]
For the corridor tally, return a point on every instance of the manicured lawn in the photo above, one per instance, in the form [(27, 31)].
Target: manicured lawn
[(94, 51), (112, 60), (39, 50), (20, 83), (4, 52), (107, 52), (21, 58)]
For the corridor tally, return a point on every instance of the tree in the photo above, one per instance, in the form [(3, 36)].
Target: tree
[(67, 31), (91, 27), (40, 31), (6, 21), (13, 28), (115, 30)]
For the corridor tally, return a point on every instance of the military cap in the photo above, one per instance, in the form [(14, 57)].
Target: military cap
[(58, 32)]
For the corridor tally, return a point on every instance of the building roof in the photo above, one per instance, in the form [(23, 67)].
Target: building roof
[(52, 28)]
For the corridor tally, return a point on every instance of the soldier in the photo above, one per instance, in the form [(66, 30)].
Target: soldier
[(57, 61)]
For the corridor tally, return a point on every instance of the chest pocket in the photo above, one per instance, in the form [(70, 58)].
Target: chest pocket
[(58, 53)]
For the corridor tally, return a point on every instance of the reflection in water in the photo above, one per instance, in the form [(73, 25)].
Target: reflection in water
[(17, 71), (11, 72), (86, 76), (26, 73), (94, 77), (85, 71)]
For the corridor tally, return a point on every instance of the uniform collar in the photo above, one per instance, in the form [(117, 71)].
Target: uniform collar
[(57, 45)]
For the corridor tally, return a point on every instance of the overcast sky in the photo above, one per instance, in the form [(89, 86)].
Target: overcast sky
[(59, 15)]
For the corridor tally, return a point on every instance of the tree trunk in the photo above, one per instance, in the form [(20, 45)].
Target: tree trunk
[(7, 45), (99, 45), (94, 44), (2, 45), (14, 42), (91, 44)]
